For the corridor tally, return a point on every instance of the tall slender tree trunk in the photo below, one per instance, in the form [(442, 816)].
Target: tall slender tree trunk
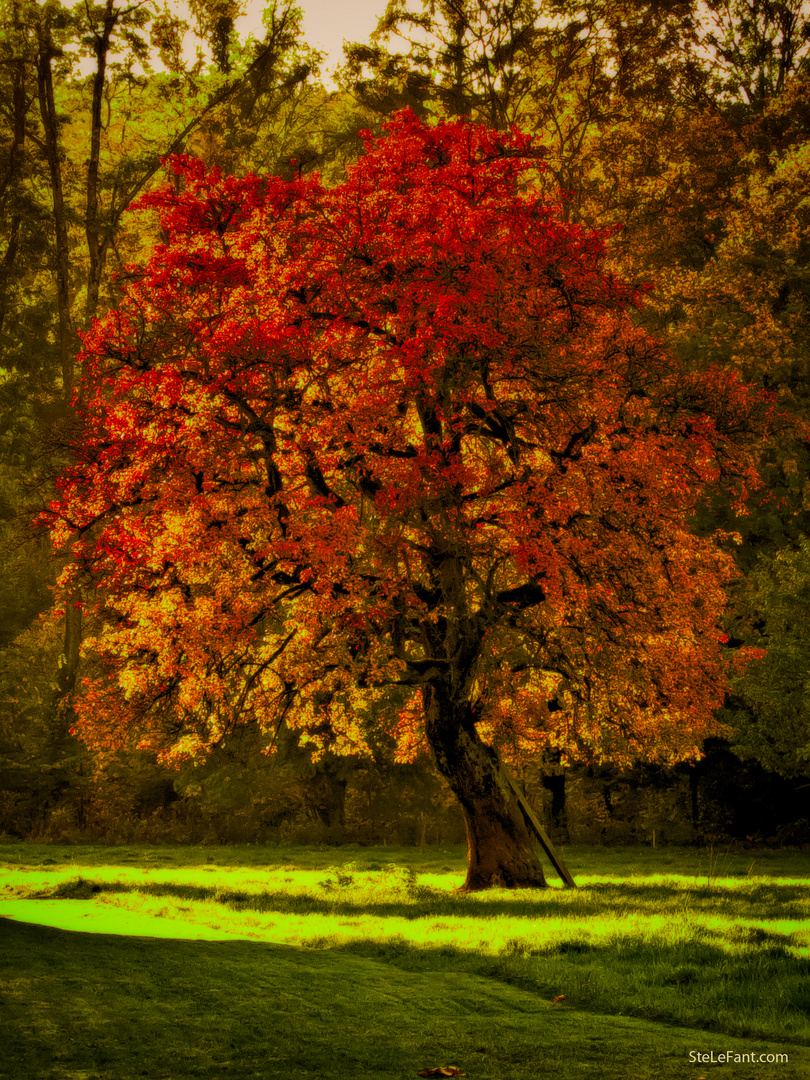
[(7, 265), (500, 847), (16, 156), (461, 104), (96, 243), (50, 125), (69, 665)]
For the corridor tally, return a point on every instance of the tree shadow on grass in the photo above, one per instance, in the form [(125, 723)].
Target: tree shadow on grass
[(599, 900)]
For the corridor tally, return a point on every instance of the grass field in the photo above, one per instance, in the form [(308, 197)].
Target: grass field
[(350, 962)]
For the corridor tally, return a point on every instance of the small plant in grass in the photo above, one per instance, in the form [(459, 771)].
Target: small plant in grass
[(399, 879), (75, 889), (521, 947), (717, 862), (339, 877)]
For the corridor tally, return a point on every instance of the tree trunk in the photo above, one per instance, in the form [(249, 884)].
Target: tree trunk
[(555, 783), (50, 125), (10, 181), (73, 642), (325, 792), (71, 658), (96, 244), (500, 847)]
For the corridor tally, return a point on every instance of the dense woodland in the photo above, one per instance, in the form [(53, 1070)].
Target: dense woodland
[(680, 129)]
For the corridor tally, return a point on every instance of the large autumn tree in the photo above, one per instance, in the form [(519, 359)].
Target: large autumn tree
[(396, 454)]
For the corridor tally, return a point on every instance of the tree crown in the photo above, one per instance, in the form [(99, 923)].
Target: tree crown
[(343, 446)]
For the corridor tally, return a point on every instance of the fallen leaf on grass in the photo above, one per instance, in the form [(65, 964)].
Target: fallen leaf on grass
[(443, 1070)]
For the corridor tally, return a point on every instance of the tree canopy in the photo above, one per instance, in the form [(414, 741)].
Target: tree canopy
[(395, 453)]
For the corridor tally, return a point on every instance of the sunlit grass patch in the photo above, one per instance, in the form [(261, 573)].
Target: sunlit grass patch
[(301, 906), (731, 955)]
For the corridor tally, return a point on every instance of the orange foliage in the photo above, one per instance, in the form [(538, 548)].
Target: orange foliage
[(400, 433)]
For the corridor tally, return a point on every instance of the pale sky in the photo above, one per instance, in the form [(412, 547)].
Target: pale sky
[(326, 23)]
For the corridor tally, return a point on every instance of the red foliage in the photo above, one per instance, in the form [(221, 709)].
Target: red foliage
[(400, 433)]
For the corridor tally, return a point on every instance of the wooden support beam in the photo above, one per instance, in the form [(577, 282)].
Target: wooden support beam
[(541, 834)]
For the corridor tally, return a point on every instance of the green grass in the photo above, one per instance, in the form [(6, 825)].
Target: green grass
[(362, 962)]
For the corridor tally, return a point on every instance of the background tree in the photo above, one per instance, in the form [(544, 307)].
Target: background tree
[(771, 713), (471, 59), (77, 150)]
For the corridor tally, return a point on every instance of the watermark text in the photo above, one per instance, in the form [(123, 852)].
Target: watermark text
[(735, 1057)]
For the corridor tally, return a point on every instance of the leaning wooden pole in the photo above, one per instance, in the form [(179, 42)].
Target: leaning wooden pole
[(539, 831)]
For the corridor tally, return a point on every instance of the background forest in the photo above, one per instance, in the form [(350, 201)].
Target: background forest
[(682, 128)]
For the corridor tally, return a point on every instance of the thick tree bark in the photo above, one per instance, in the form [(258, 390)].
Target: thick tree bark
[(500, 847)]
